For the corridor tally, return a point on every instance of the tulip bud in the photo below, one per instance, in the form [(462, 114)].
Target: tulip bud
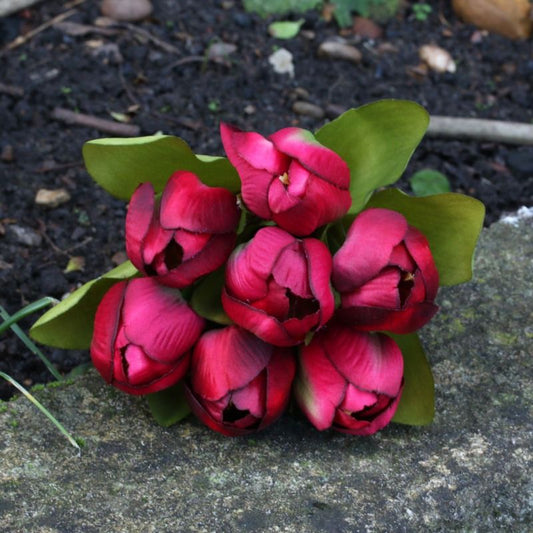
[(238, 383), (278, 286), (349, 380), (289, 178), (186, 235), (143, 333), (385, 274)]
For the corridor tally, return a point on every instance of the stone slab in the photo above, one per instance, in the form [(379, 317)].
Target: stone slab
[(470, 470)]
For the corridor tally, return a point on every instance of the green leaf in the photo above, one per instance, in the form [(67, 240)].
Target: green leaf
[(427, 182), (285, 29), (280, 6), (119, 165), (417, 404), (168, 406), (70, 323), (451, 222), (376, 141), (206, 298)]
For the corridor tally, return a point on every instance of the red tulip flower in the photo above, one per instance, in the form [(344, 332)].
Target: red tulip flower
[(143, 334), (289, 177), (186, 235), (385, 274), (278, 287), (238, 383), (349, 380)]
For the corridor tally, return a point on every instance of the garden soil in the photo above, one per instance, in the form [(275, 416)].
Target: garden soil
[(160, 74)]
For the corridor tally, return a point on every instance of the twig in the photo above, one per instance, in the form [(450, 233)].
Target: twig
[(12, 90), (21, 39), (167, 47), (481, 129), (108, 126), (63, 166)]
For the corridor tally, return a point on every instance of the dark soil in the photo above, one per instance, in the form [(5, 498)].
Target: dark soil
[(98, 74)]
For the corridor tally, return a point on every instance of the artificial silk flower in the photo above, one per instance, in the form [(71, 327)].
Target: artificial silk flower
[(349, 380), (238, 384), (385, 274), (143, 334), (278, 286), (289, 177), (186, 234)]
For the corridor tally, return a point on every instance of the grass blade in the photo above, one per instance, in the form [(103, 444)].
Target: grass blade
[(42, 408)]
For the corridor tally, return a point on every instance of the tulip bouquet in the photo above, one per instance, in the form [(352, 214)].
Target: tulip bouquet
[(285, 271)]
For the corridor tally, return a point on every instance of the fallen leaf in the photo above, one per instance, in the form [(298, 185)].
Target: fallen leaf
[(285, 29), (510, 18), (75, 264)]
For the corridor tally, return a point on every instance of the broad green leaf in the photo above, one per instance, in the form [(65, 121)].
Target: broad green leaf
[(206, 298), (417, 404), (280, 7), (70, 323), (119, 165), (168, 406), (427, 182), (376, 141), (451, 222), (285, 29)]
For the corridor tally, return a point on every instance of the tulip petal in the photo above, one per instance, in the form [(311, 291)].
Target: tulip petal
[(154, 243), (264, 326), (138, 220), (191, 243), (403, 321), (257, 151), (159, 320), (319, 388), (252, 397), (279, 198), (302, 145), (319, 272), (250, 266), (189, 204), (211, 257), (418, 246), (257, 162), (275, 303), (356, 399), (368, 247), (290, 270), (107, 322), (372, 362), (382, 291), (401, 258), (226, 360), (280, 373)]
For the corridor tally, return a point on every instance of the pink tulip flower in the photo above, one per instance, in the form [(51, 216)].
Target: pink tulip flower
[(289, 177), (278, 287), (238, 383), (385, 274), (143, 334), (349, 380), (188, 234)]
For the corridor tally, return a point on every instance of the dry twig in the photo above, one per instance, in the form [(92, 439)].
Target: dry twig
[(480, 129), (108, 126)]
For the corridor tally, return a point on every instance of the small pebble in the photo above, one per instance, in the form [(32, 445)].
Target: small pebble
[(51, 197), (281, 61), (338, 50), (126, 10), (308, 109), (25, 236)]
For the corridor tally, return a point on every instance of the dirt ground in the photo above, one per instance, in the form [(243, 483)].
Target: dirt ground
[(156, 71)]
